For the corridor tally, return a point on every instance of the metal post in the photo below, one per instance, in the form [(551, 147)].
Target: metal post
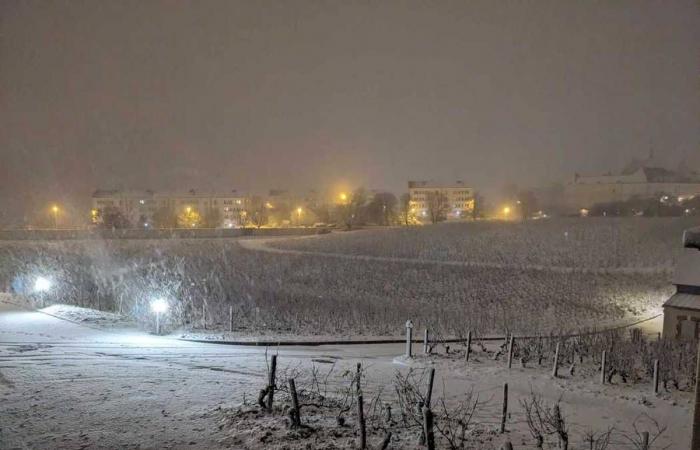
[(428, 428), (602, 368), (409, 338), (469, 344), (656, 376), (429, 395), (295, 403), (361, 422), (505, 408), (510, 351), (425, 342), (271, 382)]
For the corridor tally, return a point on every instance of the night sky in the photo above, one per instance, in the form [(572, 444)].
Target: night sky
[(295, 94)]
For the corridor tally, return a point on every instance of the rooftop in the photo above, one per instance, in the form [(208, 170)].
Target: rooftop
[(687, 301)]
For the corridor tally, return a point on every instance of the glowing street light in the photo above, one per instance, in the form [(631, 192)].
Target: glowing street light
[(299, 211), (42, 284), (506, 210), (343, 197), (159, 306), (54, 210)]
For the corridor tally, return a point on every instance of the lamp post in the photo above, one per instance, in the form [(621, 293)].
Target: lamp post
[(54, 210), (159, 306), (299, 211), (41, 286)]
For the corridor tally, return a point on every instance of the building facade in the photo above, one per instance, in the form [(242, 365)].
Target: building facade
[(682, 310), (455, 201), (187, 209), (644, 182)]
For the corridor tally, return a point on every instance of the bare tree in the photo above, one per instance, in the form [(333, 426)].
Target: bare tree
[(258, 212), (405, 208), (437, 206), (349, 212)]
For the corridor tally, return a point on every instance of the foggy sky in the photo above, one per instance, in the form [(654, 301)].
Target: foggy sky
[(299, 94)]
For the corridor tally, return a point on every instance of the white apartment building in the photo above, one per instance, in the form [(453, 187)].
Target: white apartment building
[(139, 207), (458, 199)]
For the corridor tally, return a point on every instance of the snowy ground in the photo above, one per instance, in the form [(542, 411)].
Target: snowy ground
[(65, 385)]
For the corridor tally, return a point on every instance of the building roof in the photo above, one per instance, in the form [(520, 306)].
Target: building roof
[(691, 238), (106, 193), (681, 300), (412, 184), (641, 173)]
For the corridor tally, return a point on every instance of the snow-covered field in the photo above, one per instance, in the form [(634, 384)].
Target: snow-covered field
[(313, 293), (68, 386), (74, 377), (590, 243)]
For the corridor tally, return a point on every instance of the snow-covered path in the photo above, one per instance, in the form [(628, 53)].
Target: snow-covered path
[(67, 386), (63, 385)]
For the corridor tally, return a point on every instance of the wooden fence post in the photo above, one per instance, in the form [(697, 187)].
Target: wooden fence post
[(469, 345), (429, 394), (602, 367), (409, 338), (505, 408), (428, 428), (645, 440), (555, 367), (296, 413), (656, 376), (271, 382), (510, 351), (425, 342), (359, 375), (361, 421)]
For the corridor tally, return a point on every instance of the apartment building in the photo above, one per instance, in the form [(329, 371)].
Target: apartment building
[(456, 200), (190, 208)]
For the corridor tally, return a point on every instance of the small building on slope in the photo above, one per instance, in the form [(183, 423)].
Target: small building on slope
[(682, 310)]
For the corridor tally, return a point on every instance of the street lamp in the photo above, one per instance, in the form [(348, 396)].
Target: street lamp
[(54, 210), (506, 211), (159, 306), (299, 210), (42, 284)]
